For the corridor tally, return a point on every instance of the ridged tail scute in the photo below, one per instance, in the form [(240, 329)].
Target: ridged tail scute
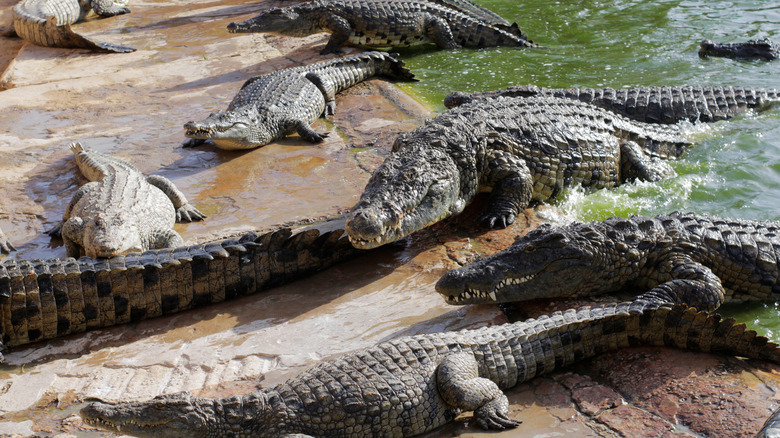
[(472, 9), (397, 68), (43, 299), (48, 33)]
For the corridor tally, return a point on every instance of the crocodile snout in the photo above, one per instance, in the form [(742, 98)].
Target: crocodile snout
[(365, 228), (451, 285)]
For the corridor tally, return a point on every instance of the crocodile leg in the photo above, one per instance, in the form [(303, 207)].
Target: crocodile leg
[(636, 164), (683, 280), (340, 31), (460, 385), (5, 245), (165, 239), (107, 8), (56, 231), (440, 33), (307, 133), (71, 231), (327, 90), (185, 212), (512, 185)]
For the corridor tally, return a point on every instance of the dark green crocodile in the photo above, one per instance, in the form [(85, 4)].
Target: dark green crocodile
[(521, 149), (648, 104), (272, 106), (43, 299), (388, 23), (5, 245), (763, 49), (47, 22), (121, 210), (698, 260), (408, 386)]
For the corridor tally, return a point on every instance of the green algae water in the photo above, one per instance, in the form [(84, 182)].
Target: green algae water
[(734, 168)]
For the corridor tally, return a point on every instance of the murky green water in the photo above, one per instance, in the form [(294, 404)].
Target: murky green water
[(734, 170)]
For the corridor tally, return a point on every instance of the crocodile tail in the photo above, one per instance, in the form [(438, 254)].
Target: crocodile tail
[(472, 9), (395, 68), (48, 33)]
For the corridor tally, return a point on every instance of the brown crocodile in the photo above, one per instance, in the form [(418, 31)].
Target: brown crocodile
[(412, 385), (387, 23), (43, 299), (648, 104), (48, 22), (121, 210)]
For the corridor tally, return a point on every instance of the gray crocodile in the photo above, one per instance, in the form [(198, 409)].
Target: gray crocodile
[(44, 299), (698, 260), (272, 106), (763, 49), (5, 245), (521, 149), (47, 22), (121, 210), (387, 23), (771, 428), (648, 104), (408, 386)]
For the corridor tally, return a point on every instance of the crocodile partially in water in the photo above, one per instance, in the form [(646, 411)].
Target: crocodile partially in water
[(762, 49), (411, 385), (698, 260), (48, 22), (5, 246), (522, 149), (387, 23), (120, 210), (648, 104), (44, 299), (272, 106)]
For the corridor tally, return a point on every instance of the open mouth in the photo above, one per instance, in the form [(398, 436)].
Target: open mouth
[(474, 295), (199, 132)]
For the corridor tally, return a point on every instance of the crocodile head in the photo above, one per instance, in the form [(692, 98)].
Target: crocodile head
[(412, 189), (547, 262), (288, 21), (111, 236), (181, 415), (764, 49), (234, 129)]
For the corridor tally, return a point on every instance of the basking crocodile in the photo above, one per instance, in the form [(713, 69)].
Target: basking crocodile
[(408, 386), (764, 49), (5, 245), (277, 104), (43, 299), (387, 23), (698, 260), (47, 22), (648, 104), (121, 210), (523, 149)]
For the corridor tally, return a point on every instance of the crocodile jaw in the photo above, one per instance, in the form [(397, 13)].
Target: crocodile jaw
[(141, 419), (281, 21), (228, 134)]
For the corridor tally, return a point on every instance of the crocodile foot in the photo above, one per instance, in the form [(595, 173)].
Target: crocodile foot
[(188, 213), (492, 415)]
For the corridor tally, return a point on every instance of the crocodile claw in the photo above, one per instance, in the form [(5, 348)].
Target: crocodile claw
[(188, 213), (492, 415), (500, 220)]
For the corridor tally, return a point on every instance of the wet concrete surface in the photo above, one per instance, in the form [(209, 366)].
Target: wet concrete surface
[(134, 105)]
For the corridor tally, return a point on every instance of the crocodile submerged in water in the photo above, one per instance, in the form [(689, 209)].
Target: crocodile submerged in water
[(5, 245), (411, 385), (121, 210), (764, 49), (272, 106), (47, 22), (648, 104), (387, 23), (523, 149), (44, 299), (698, 260)]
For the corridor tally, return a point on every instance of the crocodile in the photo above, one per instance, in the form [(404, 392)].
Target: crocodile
[(120, 210), (771, 428), (763, 49), (648, 104), (386, 23), (5, 245), (698, 260), (412, 385), (44, 299), (269, 107), (523, 149), (48, 22)]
